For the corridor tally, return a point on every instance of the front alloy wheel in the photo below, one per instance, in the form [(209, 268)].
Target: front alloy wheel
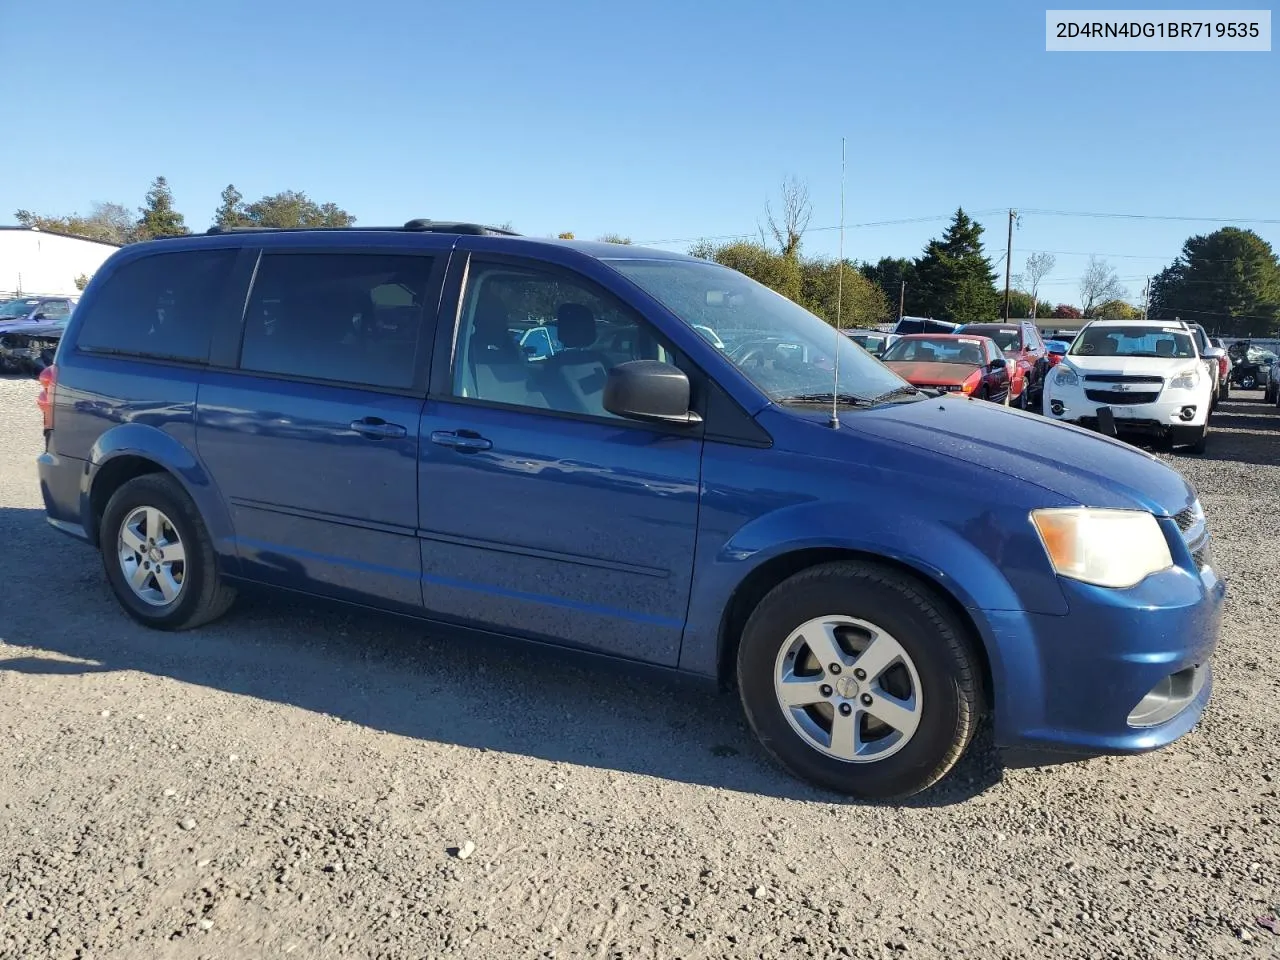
[(848, 689)]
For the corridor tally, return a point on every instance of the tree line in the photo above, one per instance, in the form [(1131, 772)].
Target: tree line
[(158, 216), (1228, 280)]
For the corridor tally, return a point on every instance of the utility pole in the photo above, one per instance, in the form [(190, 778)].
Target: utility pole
[(902, 299), (1008, 265), (1146, 299)]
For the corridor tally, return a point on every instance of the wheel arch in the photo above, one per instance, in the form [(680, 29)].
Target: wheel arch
[(753, 588), (134, 450)]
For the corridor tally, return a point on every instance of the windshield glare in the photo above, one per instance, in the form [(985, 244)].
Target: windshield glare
[(965, 350), (17, 308), (1134, 342), (782, 348)]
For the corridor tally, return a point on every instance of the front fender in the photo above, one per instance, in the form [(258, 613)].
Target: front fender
[(979, 558), (161, 448)]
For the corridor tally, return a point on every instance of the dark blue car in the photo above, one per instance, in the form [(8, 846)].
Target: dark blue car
[(349, 414)]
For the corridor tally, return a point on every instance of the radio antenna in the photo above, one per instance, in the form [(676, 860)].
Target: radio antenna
[(835, 385)]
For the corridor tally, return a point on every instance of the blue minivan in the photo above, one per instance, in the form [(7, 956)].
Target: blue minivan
[(348, 414)]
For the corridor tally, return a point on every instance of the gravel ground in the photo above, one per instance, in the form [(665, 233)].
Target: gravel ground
[(299, 781)]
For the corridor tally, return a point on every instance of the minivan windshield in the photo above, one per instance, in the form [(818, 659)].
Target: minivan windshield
[(785, 350), (1134, 342)]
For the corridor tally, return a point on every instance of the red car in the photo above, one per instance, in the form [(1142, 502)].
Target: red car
[(955, 363), (1023, 345)]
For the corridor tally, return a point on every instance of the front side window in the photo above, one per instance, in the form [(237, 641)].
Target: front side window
[(55, 309), (159, 306), (543, 340), (1134, 342), (350, 318), (786, 351)]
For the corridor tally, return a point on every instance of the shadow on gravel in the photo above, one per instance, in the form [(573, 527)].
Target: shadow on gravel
[(406, 678)]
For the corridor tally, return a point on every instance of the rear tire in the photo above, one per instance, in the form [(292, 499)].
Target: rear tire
[(930, 691), (155, 510)]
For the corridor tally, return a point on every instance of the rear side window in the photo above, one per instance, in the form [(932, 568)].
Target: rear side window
[(351, 318), (161, 306)]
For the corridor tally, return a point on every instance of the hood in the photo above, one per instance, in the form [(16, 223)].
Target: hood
[(1077, 464), (11, 323), (924, 373), (1131, 366)]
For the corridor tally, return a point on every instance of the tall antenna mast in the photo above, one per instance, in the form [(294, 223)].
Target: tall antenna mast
[(835, 385)]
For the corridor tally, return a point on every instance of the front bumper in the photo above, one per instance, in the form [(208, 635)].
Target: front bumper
[(1124, 671), (1172, 408)]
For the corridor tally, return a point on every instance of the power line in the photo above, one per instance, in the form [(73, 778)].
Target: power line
[(1146, 216), (847, 226)]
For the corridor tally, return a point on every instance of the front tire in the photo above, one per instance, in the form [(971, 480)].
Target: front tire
[(1194, 439), (158, 556), (859, 680)]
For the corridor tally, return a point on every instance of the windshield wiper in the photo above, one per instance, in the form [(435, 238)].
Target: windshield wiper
[(907, 391), (847, 398)]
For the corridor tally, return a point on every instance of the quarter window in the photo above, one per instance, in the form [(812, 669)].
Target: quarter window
[(354, 318), (159, 306)]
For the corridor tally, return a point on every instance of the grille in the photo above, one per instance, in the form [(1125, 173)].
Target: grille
[(1121, 378), (1186, 518), (1118, 397)]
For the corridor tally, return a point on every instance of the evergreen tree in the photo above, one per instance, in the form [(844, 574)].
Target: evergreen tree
[(159, 219), (231, 212), (1228, 280), (954, 277)]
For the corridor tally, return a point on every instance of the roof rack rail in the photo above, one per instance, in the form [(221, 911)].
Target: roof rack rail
[(443, 226), (420, 224)]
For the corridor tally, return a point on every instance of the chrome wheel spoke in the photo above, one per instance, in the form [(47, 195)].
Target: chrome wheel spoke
[(174, 551), (882, 653), (820, 637), (796, 691), (169, 587), (155, 524), (130, 538), (138, 578), (899, 714), (846, 736)]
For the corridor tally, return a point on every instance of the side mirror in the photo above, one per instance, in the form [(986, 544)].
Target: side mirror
[(39, 315), (996, 365), (649, 390)]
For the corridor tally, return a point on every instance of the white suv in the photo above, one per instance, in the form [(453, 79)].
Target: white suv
[(1140, 376)]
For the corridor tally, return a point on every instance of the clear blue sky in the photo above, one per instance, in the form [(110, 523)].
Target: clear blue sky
[(661, 121)]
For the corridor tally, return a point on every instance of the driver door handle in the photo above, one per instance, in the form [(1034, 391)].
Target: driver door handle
[(464, 441), (375, 428)]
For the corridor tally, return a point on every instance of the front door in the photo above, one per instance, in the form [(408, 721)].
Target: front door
[(313, 439), (541, 514)]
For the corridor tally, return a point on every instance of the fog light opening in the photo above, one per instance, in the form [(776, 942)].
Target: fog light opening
[(1057, 407), (1188, 413), (1168, 698)]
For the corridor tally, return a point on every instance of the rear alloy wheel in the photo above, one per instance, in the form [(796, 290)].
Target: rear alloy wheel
[(1248, 381), (857, 679), (158, 555)]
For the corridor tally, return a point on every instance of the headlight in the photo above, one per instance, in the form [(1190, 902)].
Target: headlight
[(1066, 376), (1109, 548), (1188, 379)]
